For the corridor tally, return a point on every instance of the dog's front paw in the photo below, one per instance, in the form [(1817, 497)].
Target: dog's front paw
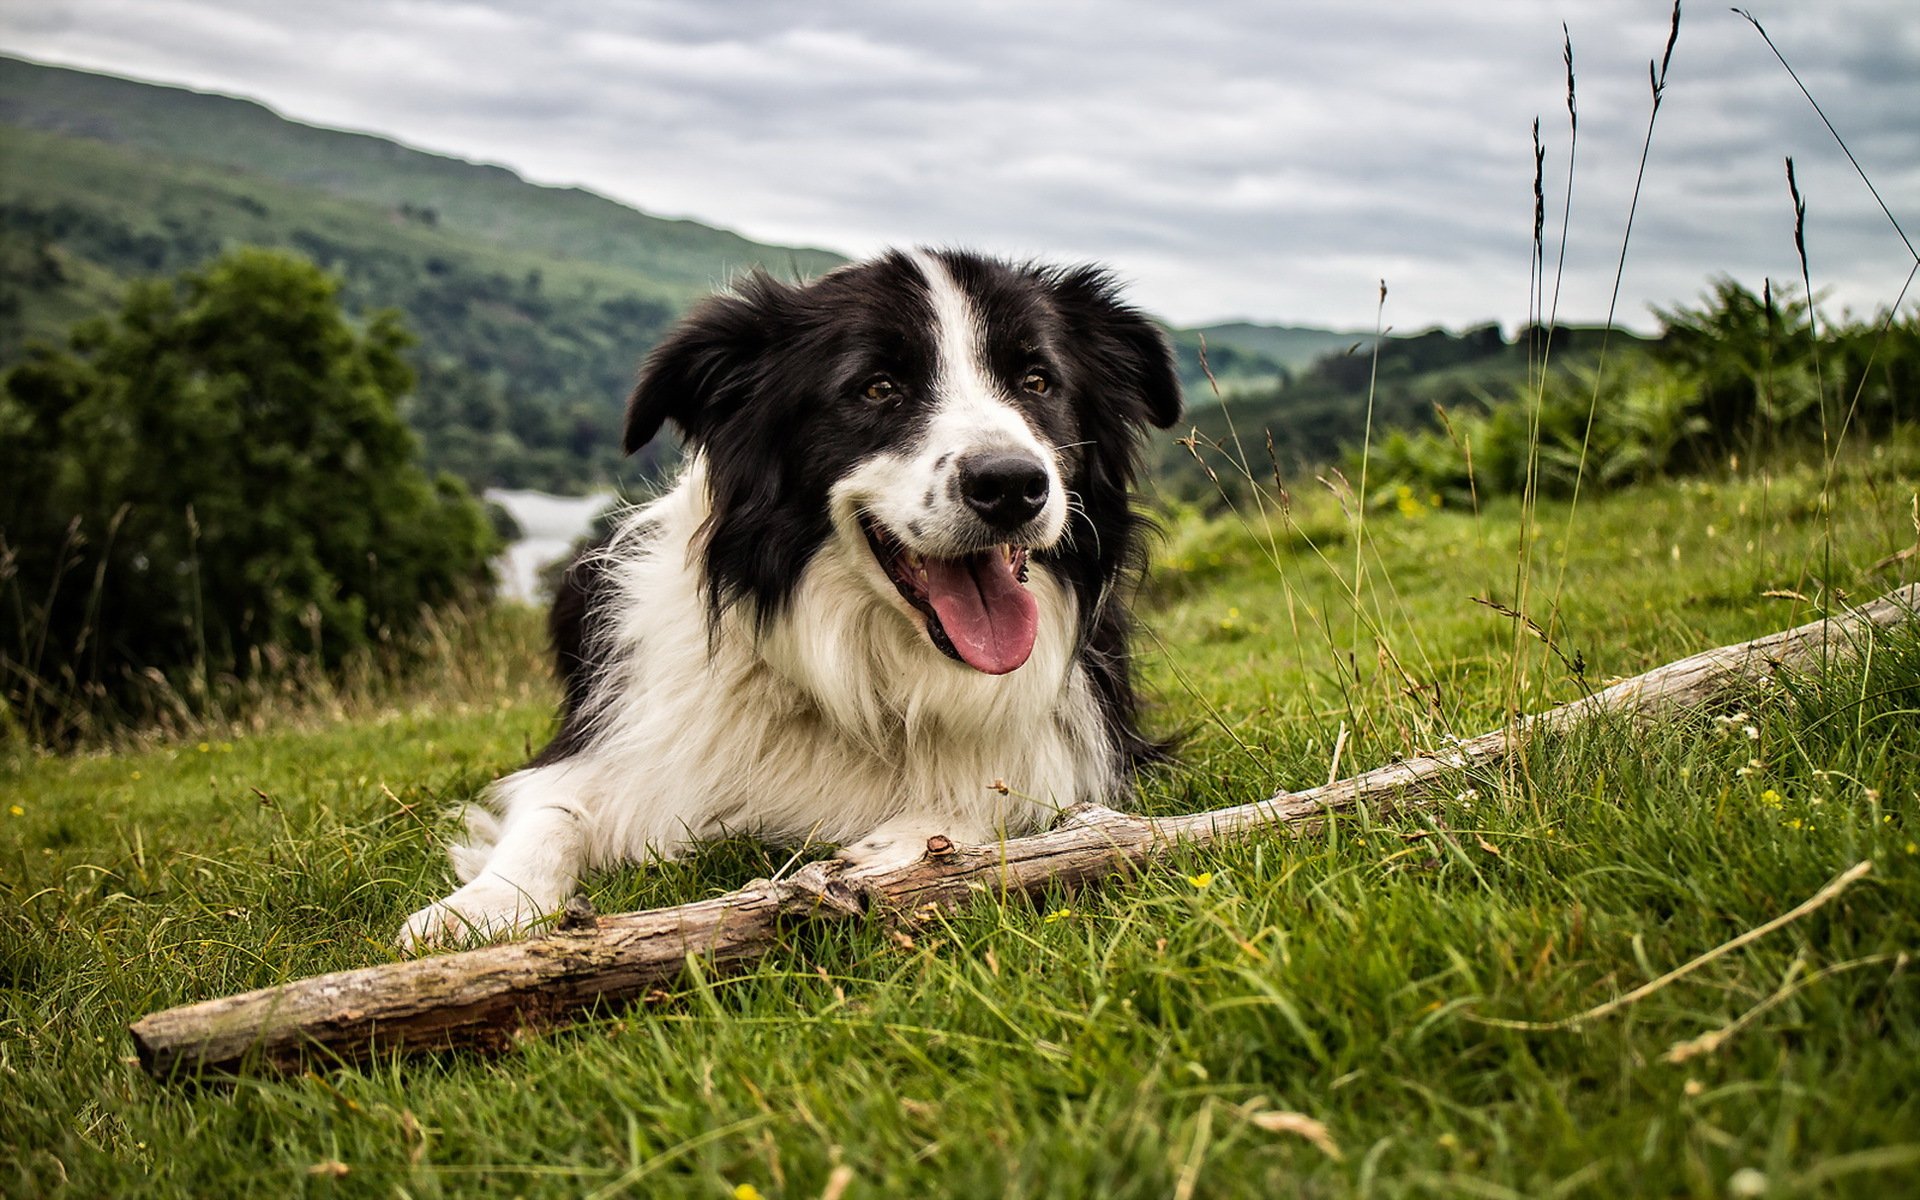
[(877, 852), (887, 849), (481, 911)]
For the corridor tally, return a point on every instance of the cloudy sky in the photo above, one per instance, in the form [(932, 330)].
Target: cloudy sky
[(1240, 158)]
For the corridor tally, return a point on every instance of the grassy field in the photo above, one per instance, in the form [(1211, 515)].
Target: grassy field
[(1140, 1039)]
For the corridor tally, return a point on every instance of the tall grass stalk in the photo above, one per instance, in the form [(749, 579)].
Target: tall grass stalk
[(1657, 82), (1819, 387), (1366, 455), (1844, 148), (1799, 239), (1832, 445), (1550, 305), (1530, 492)]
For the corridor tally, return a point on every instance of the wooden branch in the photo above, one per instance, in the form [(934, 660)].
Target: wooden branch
[(481, 997)]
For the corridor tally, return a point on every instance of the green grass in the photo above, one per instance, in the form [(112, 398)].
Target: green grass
[(1121, 1041)]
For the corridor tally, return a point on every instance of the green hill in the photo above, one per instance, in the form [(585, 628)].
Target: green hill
[(1233, 367), (1294, 347), (473, 200), (532, 303)]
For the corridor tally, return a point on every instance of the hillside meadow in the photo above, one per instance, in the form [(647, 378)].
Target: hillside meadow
[(1283, 1016)]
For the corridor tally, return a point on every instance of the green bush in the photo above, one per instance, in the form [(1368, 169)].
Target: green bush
[(1739, 377), (216, 481)]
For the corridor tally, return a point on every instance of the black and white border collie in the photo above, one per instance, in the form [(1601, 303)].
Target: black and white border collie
[(884, 599)]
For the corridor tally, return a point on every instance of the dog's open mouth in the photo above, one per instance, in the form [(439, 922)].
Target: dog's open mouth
[(977, 607)]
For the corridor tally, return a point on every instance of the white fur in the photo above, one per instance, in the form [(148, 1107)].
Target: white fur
[(840, 723)]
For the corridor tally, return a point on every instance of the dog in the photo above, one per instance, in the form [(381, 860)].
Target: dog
[(885, 598)]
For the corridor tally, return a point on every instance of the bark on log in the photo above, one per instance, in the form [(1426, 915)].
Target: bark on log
[(481, 997)]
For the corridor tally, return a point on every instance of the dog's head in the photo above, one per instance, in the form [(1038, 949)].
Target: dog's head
[(960, 420)]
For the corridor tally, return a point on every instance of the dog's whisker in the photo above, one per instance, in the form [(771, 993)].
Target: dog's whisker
[(1076, 507)]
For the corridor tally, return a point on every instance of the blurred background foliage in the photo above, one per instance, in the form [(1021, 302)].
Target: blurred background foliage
[(214, 481)]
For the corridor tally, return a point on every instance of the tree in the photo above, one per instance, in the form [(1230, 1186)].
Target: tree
[(217, 478)]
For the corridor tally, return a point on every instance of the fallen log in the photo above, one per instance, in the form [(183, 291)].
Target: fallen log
[(482, 997)]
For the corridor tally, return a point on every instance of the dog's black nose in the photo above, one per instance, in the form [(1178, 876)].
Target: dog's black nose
[(1006, 489)]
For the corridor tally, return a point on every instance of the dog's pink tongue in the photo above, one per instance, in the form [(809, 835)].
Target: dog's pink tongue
[(989, 617)]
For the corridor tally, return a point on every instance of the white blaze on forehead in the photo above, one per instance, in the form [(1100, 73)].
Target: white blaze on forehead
[(970, 401), (957, 331)]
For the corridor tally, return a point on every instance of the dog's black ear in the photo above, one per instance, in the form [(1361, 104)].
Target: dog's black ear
[(1132, 351), (694, 377), (1153, 367)]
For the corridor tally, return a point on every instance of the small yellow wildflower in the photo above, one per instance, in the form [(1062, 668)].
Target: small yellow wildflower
[(16, 810), (1770, 798), (206, 747), (1058, 914), (1202, 881), (746, 1191)]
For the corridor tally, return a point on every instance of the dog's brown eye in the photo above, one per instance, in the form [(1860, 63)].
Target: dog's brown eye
[(880, 388), (1037, 382)]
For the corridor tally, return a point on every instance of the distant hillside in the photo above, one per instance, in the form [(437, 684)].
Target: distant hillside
[(533, 304), (1295, 347), (1242, 358), (1233, 366), (1320, 414), (489, 203)]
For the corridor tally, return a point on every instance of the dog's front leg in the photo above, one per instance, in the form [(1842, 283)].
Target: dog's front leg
[(533, 868)]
